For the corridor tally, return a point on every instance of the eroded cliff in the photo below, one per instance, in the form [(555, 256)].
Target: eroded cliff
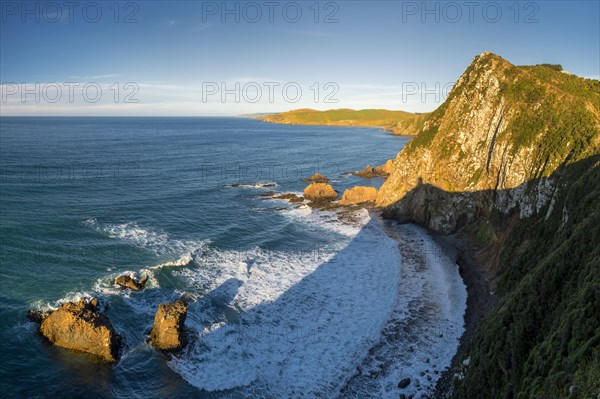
[(511, 161), (494, 144)]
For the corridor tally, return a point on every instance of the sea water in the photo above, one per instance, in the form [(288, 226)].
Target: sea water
[(287, 301)]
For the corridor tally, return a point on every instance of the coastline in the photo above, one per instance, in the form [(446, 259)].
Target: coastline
[(387, 129), (422, 335), (481, 299)]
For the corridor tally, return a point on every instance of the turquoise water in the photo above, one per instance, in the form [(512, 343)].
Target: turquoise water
[(83, 200)]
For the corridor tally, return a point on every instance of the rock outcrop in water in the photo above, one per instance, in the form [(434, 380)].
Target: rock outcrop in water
[(293, 198), (317, 178), (125, 281), (80, 326), (378, 171), (368, 172), (320, 192), (385, 169), (511, 161), (359, 195), (169, 323)]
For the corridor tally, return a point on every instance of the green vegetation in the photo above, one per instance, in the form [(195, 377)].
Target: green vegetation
[(556, 67), (399, 122), (563, 108), (540, 101), (544, 337)]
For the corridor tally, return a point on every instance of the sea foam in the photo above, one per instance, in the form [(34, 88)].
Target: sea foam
[(304, 321)]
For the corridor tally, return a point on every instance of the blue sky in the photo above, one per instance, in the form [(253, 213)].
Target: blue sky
[(194, 58)]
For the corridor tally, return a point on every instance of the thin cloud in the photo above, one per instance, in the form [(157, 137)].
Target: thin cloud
[(168, 23), (95, 77)]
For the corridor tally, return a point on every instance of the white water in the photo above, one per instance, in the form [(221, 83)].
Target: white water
[(305, 320), (349, 320), (422, 334)]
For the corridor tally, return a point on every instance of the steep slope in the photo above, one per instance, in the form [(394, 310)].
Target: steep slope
[(543, 340), (398, 122), (500, 127), (511, 160)]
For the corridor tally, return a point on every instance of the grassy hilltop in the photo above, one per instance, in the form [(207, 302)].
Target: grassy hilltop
[(398, 122)]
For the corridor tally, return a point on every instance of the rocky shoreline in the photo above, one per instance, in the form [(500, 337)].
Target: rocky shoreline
[(83, 326), (168, 332), (460, 247), (481, 299)]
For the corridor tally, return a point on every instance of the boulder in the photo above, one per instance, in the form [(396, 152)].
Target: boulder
[(320, 192), (368, 172), (81, 327), (168, 330), (359, 195), (404, 383), (317, 178), (125, 281), (385, 169)]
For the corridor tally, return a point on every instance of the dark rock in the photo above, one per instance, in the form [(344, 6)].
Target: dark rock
[(38, 316), (404, 383), (289, 196), (131, 283)]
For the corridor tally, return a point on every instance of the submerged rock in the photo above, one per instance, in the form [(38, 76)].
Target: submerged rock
[(317, 178), (290, 197), (320, 192), (168, 330), (404, 383), (38, 316), (131, 283), (359, 195), (80, 326)]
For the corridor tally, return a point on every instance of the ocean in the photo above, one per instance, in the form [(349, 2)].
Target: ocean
[(287, 301)]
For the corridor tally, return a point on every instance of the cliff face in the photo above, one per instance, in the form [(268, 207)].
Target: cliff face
[(493, 145), (512, 160)]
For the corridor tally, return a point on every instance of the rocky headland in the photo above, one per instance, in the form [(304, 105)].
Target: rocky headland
[(510, 163), (396, 122)]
